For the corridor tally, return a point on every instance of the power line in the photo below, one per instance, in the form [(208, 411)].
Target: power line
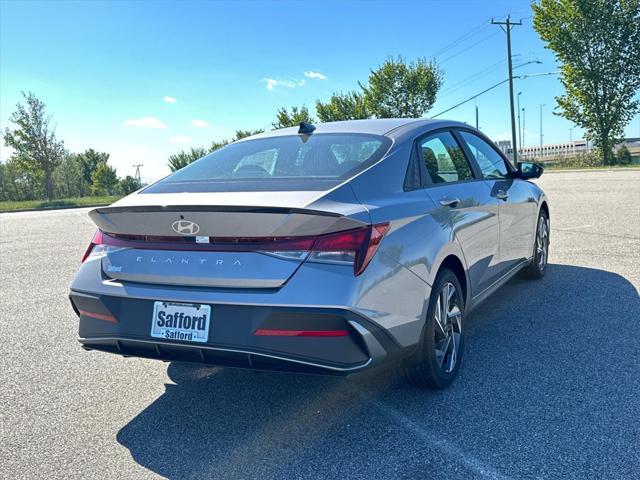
[(485, 71), (471, 98), (482, 73), (521, 77), (466, 36), (483, 39), (461, 39)]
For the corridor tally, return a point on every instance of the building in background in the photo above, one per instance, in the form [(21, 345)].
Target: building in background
[(505, 146), (552, 150), (633, 144)]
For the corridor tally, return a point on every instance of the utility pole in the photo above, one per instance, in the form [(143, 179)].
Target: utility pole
[(519, 130), (477, 127), (137, 174), (509, 24)]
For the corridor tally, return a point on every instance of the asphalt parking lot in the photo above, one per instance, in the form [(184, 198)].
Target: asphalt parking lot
[(550, 386)]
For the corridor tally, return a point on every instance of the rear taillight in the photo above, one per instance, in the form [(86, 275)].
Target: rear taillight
[(351, 247), (96, 240), (355, 247)]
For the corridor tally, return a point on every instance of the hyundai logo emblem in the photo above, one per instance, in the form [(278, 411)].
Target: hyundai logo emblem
[(185, 227)]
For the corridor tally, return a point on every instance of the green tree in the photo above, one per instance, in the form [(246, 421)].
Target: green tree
[(623, 156), (343, 106), (215, 145), (239, 135), (394, 89), (598, 45), (246, 133), (284, 118), (36, 148), (128, 185), (398, 89), (17, 185), (184, 158), (90, 159), (68, 179), (104, 180)]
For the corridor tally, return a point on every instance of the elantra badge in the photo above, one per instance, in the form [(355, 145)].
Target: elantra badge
[(185, 227)]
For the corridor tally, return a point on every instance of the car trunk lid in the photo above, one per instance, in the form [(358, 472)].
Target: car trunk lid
[(220, 242)]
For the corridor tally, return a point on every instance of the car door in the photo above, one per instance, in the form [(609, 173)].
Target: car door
[(464, 205), (517, 204)]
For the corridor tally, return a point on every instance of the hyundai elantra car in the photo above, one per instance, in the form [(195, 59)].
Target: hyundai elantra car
[(328, 249)]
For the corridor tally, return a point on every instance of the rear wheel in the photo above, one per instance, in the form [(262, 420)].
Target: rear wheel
[(437, 361), (538, 266)]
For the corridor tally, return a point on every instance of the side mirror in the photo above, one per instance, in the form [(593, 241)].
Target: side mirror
[(529, 170)]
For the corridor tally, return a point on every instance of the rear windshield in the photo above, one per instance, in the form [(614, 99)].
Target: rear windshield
[(296, 162)]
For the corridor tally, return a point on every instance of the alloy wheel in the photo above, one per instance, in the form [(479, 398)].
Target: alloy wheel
[(448, 328), (542, 242)]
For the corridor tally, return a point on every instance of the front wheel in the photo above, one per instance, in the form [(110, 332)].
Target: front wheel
[(538, 266), (437, 361)]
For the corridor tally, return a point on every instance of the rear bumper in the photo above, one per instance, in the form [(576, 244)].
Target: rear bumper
[(122, 325)]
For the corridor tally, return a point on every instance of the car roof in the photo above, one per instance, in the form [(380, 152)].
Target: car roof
[(391, 127)]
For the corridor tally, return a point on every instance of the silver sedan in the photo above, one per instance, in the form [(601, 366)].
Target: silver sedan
[(328, 248)]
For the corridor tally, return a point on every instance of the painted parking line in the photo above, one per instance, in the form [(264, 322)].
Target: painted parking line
[(450, 450)]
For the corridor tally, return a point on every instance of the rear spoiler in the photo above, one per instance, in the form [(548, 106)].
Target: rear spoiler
[(222, 221), (209, 208)]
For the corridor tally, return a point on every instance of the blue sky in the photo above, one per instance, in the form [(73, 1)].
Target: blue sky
[(105, 68)]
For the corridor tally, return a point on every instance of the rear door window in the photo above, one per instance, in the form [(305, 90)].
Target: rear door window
[(443, 158)]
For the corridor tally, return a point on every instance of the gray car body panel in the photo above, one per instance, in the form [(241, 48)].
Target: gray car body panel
[(490, 238)]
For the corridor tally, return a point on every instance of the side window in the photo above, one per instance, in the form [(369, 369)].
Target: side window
[(444, 159), (490, 162)]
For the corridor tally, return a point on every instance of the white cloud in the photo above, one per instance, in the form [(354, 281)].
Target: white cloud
[(179, 139), (200, 123), (312, 74), (168, 99), (272, 83), (145, 122)]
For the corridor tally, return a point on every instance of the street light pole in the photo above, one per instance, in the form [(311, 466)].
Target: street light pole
[(519, 130), (524, 137)]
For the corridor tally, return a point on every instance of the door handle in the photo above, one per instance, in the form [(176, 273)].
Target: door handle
[(502, 195), (449, 202)]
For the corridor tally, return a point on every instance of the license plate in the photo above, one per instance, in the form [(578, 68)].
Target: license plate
[(188, 322)]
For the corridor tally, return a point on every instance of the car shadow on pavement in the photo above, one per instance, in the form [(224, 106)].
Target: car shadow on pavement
[(549, 385)]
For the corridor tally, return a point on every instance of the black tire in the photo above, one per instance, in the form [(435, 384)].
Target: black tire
[(538, 266), (424, 369)]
